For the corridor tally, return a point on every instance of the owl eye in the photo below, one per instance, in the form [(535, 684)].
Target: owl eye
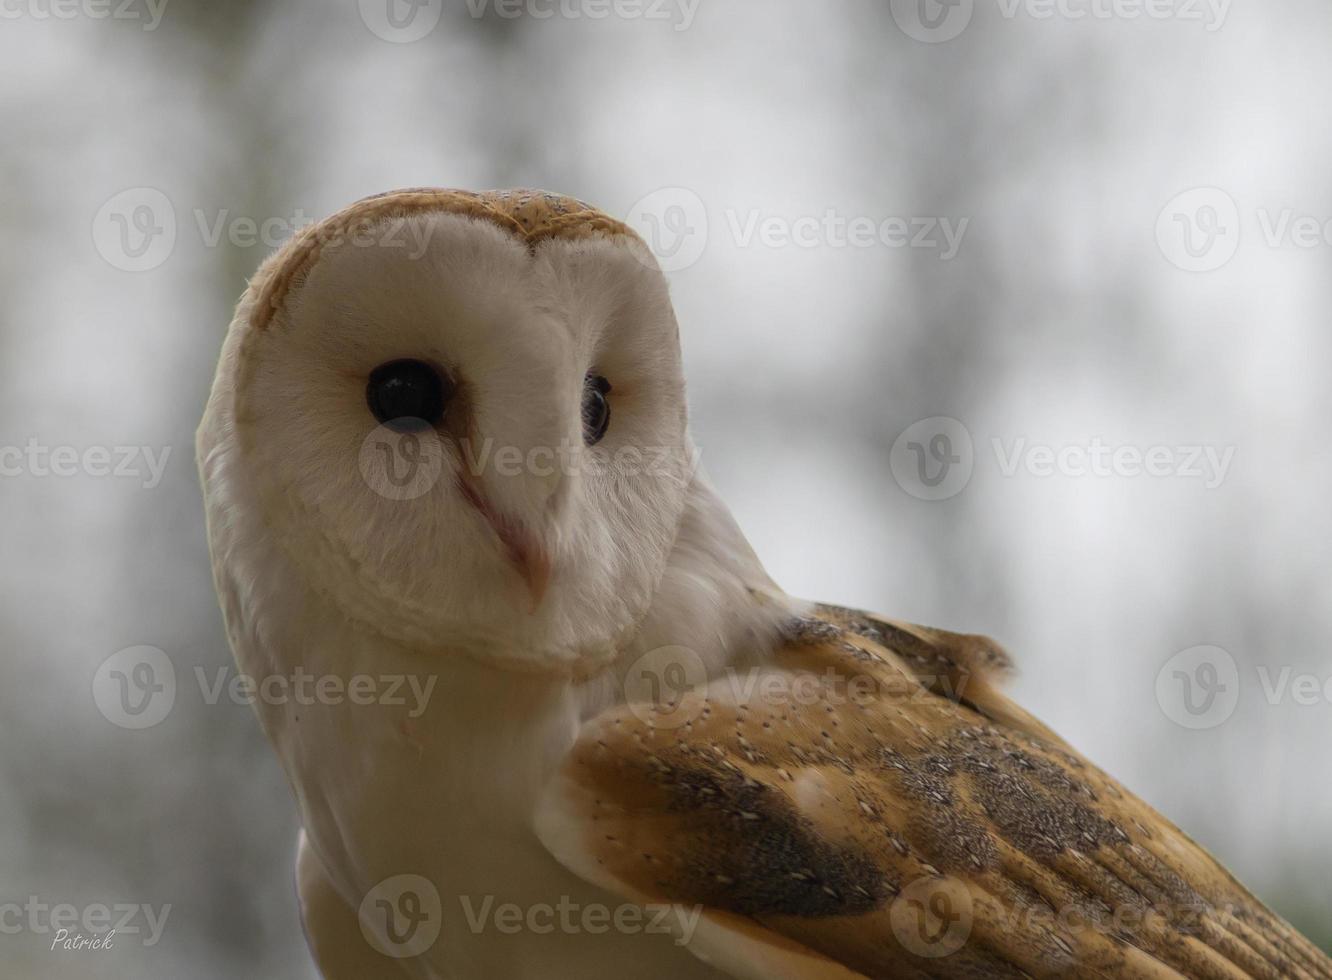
[(596, 409), (408, 394)]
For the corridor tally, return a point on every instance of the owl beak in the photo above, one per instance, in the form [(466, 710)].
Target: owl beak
[(526, 552), (533, 565)]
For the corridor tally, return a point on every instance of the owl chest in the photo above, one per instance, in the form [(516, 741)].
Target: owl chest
[(445, 791)]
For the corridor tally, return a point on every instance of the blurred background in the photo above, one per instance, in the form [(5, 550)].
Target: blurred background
[(1118, 237)]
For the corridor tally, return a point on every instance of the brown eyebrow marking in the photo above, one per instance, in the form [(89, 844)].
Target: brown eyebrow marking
[(529, 215)]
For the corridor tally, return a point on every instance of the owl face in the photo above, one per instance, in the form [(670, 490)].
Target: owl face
[(464, 433)]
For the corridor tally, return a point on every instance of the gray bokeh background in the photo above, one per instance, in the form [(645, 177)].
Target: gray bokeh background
[(1061, 319)]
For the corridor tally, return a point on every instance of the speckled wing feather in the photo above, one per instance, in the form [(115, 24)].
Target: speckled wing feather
[(868, 804)]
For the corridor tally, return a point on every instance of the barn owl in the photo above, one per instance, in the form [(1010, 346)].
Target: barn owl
[(446, 451)]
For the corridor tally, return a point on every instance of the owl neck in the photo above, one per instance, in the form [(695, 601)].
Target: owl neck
[(715, 597)]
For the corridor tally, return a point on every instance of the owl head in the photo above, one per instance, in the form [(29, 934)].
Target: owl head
[(460, 419)]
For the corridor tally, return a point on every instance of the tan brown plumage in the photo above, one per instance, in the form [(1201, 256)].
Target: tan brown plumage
[(917, 824), (531, 215)]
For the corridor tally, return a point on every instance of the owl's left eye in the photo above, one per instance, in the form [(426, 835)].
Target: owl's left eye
[(596, 409), (408, 394)]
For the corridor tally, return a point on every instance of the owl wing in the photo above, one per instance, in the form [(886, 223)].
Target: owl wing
[(870, 805)]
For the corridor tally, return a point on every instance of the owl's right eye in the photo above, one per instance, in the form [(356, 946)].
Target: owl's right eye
[(408, 394)]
